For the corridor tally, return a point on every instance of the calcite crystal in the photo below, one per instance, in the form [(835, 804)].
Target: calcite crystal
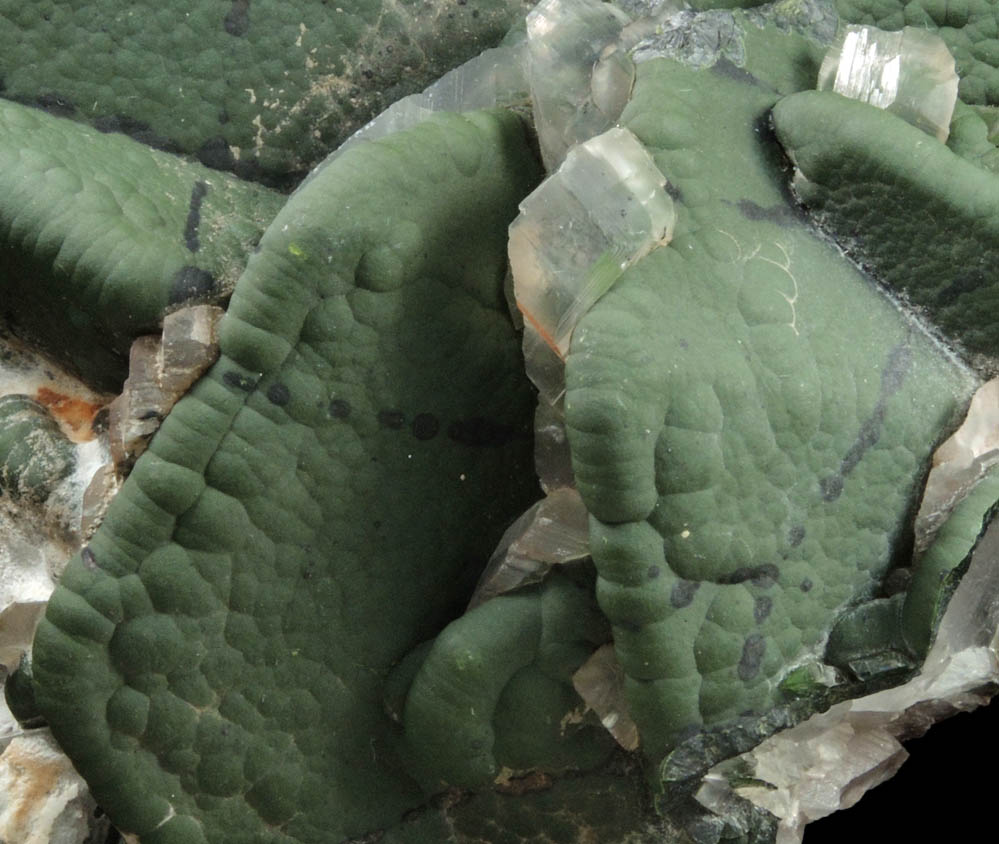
[(960, 462), (552, 532), (601, 211), (161, 368), (565, 39), (910, 73), (600, 683)]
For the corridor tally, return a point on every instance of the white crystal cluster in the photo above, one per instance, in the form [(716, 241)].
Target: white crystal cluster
[(909, 73)]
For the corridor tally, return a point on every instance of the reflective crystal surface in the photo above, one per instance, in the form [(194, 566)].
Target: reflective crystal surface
[(552, 458), (601, 211), (600, 683), (552, 532), (910, 73), (565, 39), (960, 462)]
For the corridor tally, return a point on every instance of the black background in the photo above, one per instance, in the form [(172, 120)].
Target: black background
[(946, 790)]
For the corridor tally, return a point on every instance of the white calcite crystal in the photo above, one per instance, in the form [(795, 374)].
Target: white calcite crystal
[(600, 683), (959, 463), (554, 531), (601, 211), (828, 762), (909, 73), (42, 799), (566, 40)]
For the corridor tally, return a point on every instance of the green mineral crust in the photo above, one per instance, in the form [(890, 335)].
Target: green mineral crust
[(365, 583)]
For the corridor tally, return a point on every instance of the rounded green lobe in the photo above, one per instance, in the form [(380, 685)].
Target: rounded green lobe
[(288, 537)]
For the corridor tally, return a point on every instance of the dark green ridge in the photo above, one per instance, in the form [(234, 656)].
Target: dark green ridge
[(101, 235), (925, 220), (213, 663)]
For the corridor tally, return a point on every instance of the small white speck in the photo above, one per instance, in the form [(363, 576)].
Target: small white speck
[(461, 477), (685, 534)]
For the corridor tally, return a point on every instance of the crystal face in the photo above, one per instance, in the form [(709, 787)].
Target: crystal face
[(909, 73), (577, 91), (600, 212)]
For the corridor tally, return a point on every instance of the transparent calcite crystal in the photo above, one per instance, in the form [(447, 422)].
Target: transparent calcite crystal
[(494, 78), (909, 73), (601, 211), (600, 683), (828, 762), (960, 462), (552, 457), (577, 89), (552, 532)]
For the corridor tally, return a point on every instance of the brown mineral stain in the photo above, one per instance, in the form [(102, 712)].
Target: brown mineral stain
[(36, 777), (75, 416)]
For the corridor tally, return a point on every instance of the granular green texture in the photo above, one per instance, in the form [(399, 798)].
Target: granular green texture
[(213, 661), (264, 88)]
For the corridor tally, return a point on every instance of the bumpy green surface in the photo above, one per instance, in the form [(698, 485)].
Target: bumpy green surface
[(925, 220), (227, 660), (266, 88), (213, 661), (749, 419), (101, 235)]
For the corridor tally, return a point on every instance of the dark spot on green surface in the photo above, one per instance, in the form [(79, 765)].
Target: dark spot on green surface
[(806, 585), (339, 408), (137, 130), (779, 214), (796, 535), (763, 576), (425, 426), (393, 419), (478, 431), (653, 572), (367, 73), (727, 68), (56, 104), (630, 626), (752, 655), (831, 487), (237, 19), (198, 193), (278, 394), (761, 608), (683, 593), (189, 283), (240, 382), (215, 152), (674, 192)]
